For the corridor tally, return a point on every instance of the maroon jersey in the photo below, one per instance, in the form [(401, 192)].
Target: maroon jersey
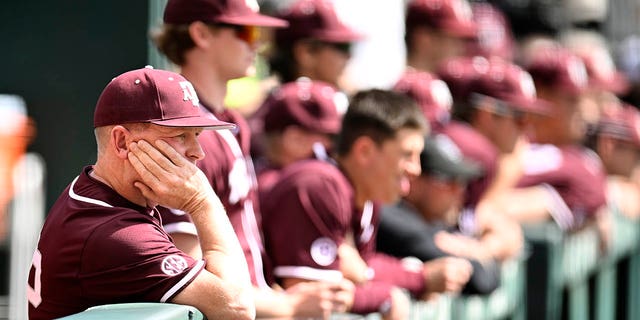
[(477, 148), (267, 177), (229, 168), (309, 213), (98, 248), (574, 177)]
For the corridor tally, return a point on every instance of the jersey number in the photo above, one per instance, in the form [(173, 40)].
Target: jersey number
[(33, 293)]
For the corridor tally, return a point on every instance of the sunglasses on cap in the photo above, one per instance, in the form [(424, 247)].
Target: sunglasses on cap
[(249, 34)]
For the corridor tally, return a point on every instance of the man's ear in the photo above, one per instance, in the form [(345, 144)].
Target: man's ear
[(364, 150), (120, 137), (200, 34)]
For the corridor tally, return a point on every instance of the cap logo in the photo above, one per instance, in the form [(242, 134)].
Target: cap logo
[(324, 251), (341, 102), (189, 93), (253, 5), (462, 10), (602, 64), (441, 94), (173, 264), (481, 64), (577, 72), (527, 87)]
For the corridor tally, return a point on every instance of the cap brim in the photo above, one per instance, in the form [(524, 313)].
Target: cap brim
[(618, 84), (254, 19), (464, 170), (196, 122)]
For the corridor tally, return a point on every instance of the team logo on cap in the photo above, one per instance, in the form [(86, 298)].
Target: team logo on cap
[(189, 93), (602, 64), (577, 72), (324, 251), (527, 87), (462, 10), (253, 5), (173, 264), (441, 94)]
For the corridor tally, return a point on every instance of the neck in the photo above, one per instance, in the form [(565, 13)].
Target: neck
[(118, 184), (357, 178), (420, 63), (210, 86)]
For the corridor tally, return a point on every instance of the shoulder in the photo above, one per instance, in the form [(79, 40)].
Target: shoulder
[(311, 172)]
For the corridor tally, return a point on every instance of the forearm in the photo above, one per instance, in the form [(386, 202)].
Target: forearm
[(219, 243), (271, 303), (501, 235)]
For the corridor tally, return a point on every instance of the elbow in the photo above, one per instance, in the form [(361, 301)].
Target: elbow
[(240, 306), (244, 307)]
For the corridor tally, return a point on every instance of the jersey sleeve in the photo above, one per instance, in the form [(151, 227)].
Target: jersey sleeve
[(305, 219), (133, 258)]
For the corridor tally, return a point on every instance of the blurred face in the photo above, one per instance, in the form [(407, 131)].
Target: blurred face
[(438, 197), (299, 144), (565, 125), (506, 129), (504, 126), (594, 102), (183, 140), (624, 158), (395, 162), (240, 44), (329, 61)]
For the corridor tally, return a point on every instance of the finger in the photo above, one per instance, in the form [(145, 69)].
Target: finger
[(141, 166), (159, 158), (145, 190), (171, 153)]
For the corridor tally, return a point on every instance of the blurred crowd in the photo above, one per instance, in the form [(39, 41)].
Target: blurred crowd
[(362, 200), (535, 129)]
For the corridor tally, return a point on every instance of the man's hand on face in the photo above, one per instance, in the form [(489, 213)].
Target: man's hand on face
[(169, 179)]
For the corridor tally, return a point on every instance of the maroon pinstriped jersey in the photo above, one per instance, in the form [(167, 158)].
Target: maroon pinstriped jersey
[(230, 171), (574, 177), (97, 248), (309, 213)]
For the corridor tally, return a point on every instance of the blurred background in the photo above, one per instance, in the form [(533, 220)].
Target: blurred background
[(56, 57)]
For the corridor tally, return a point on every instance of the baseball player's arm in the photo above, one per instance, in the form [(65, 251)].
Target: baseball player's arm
[(223, 290)]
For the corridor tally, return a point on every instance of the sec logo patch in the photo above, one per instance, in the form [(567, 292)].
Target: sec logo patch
[(324, 251), (173, 264)]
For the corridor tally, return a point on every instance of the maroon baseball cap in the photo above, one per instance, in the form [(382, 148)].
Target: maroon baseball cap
[(314, 19), (494, 36), (311, 105), (238, 12), (431, 93), (152, 96), (602, 71), (450, 16), (556, 67), (473, 77), (622, 123)]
